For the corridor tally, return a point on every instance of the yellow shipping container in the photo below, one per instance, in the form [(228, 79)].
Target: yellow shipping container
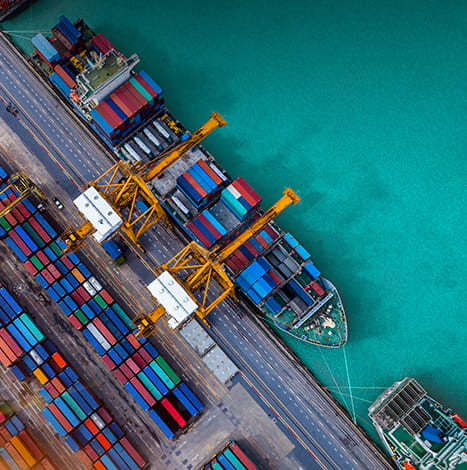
[(40, 376), (23, 451)]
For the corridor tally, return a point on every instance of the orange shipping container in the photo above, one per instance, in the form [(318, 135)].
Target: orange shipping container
[(77, 273), (23, 451), (99, 466), (16, 457), (59, 360), (57, 383), (31, 445), (40, 376), (104, 442), (84, 458)]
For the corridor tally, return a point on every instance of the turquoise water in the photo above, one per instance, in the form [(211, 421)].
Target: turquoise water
[(361, 109)]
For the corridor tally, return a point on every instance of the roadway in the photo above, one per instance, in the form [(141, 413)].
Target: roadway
[(313, 418)]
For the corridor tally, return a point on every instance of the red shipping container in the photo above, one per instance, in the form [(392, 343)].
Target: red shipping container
[(116, 99), (173, 412), (52, 390), (64, 76), (5, 434), (261, 241), (119, 94), (23, 211), (106, 296), (108, 362), (275, 277), (58, 384), (91, 426), (210, 228), (84, 458), (83, 293), (47, 276), (134, 454), (201, 237), (47, 464), (242, 258), (126, 371), (141, 99), (7, 351), (128, 98), (146, 85), (140, 362), (133, 340), (54, 271), (317, 288), (8, 217), (112, 118), (77, 298), (143, 391), (67, 262), (91, 453), (119, 376), (103, 441), (132, 365), (30, 267), (75, 322), (102, 43), (104, 414), (195, 185), (58, 359), (271, 232), (104, 331), (13, 345), (4, 359), (210, 172), (246, 190), (40, 231), (146, 356), (31, 445), (248, 245), (242, 457), (60, 417), (21, 245)]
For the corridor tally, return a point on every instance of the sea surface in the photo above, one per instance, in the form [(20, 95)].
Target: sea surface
[(360, 107)]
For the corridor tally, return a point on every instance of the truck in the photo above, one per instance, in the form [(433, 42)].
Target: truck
[(114, 251)]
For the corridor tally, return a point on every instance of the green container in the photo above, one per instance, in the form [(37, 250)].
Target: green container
[(141, 89), (56, 249), (31, 327), (100, 301), (4, 224), (168, 370), (161, 374), (216, 466), (149, 385), (235, 205), (34, 235), (229, 455), (74, 406), (82, 318), (36, 262), (123, 316)]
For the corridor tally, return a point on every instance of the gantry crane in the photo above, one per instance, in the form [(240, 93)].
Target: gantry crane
[(24, 186), (201, 267), (124, 184)]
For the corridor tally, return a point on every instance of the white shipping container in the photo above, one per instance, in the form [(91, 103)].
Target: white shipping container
[(142, 145), (161, 130), (134, 156), (98, 335), (153, 138), (91, 291), (180, 205), (98, 421), (36, 358), (234, 192), (95, 283), (217, 172)]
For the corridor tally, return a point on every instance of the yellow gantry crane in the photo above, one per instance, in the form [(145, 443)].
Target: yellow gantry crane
[(124, 184), (24, 186), (203, 270)]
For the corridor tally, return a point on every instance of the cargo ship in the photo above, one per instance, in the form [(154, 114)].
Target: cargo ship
[(126, 110), (418, 432)]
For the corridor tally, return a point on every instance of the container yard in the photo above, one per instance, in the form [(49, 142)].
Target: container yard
[(232, 457), (175, 392)]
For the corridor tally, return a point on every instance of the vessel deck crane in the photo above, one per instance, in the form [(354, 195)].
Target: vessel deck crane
[(24, 186), (203, 267), (124, 184)]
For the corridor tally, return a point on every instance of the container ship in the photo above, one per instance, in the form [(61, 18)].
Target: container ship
[(418, 432), (9, 8), (126, 110)]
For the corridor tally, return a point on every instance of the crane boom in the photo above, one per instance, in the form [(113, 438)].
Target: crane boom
[(289, 197), (151, 170), (24, 186)]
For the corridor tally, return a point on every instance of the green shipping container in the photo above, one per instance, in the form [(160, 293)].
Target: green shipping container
[(74, 406), (216, 466), (229, 455), (4, 224), (123, 316), (168, 370), (236, 206), (153, 390), (161, 374), (100, 301), (56, 249), (34, 235), (82, 318), (37, 264), (141, 89), (31, 327)]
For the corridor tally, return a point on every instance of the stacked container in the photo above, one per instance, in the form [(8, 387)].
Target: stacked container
[(200, 183), (206, 228), (91, 309), (125, 108), (102, 44), (44, 48), (18, 449), (258, 280), (72, 410), (240, 198), (231, 458), (249, 251)]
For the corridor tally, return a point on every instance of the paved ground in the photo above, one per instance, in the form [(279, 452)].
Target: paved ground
[(321, 434)]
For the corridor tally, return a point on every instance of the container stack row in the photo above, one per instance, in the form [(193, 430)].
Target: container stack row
[(240, 198), (200, 183), (72, 410), (253, 248), (92, 310), (231, 458), (125, 108), (18, 449)]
